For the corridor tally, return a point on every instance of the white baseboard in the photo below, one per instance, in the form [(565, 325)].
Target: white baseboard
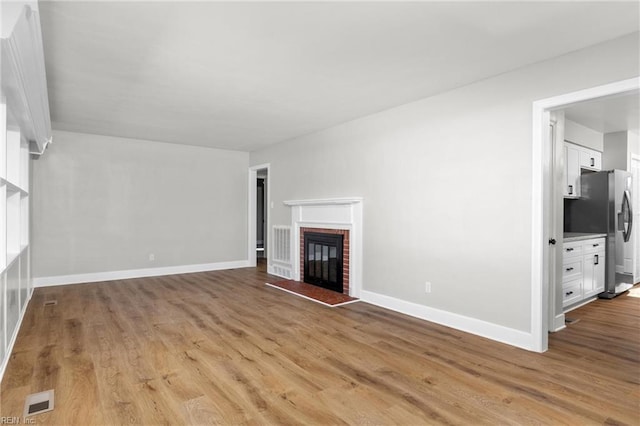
[(581, 304), (558, 323), (510, 336), (136, 273)]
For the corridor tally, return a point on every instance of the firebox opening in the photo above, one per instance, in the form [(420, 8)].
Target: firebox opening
[(323, 260)]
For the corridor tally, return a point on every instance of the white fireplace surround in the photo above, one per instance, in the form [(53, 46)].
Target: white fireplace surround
[(330, 213)]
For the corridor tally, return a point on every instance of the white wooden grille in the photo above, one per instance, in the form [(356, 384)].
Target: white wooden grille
[(282, 244)]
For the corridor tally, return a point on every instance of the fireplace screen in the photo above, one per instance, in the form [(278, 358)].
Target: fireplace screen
[(323, 260)]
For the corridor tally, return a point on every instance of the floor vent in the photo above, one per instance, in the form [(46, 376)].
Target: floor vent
[(38, 403), (50, 302)]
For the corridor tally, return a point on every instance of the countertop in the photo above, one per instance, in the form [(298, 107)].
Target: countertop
[(579, 236)]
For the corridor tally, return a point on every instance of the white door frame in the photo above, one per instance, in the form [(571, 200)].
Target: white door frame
[(252, 213), (541, 176), (636, 236)]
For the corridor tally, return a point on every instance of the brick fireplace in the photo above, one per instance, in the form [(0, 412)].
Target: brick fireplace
[(342, 216), (345, 251)]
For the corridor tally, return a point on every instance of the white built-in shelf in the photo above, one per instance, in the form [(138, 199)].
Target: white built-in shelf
[(23, 83), (11, 258), (25, 130), (13, 188), (3, 138), (3, 226)]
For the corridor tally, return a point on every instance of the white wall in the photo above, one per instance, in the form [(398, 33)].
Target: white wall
[(446, 183), (104, 204)]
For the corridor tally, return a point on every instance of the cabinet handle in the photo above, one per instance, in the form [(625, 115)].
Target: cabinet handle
[(570, 189), (569, 269), (570, 249), (593, 163), (596, 259), (569, 293), (596, 245)]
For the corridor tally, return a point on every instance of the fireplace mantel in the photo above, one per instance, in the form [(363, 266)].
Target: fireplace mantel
[(330, 213), (324, 201)]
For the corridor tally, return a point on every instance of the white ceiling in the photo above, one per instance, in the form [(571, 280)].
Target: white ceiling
[(244, 75), (607, 115)]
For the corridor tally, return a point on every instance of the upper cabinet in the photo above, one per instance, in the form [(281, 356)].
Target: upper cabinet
[(590, 159), (582, 152), (572, 170), (23, 84), (578, 158)]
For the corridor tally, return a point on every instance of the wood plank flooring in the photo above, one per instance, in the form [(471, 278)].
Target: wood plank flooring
[(223, 348)]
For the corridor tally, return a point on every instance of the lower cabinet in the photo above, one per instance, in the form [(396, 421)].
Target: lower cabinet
[(583, 272), (593, 278)]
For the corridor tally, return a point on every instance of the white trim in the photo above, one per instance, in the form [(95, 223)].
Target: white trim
[(579, 305), (331, 213), (311, 299), (538, 284), (251, 212), (558, 323), (540, 163), (510, 336), (324, 201), (136, 273), (636, 233)]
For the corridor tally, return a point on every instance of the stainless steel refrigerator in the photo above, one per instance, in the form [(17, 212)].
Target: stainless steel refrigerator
[(605, 207)]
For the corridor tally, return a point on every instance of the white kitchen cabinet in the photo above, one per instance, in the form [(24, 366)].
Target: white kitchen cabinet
[(572, 170), (578, 158), (590, 159), (571, 292), (594, 263), (583, 272)]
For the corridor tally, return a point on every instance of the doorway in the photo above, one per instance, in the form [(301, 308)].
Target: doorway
[(261, 216), (546, 231), (258, 226)]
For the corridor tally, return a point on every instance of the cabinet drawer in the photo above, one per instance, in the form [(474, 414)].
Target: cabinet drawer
[(572, 249), (571, 267), (594, 246), (571, 292)]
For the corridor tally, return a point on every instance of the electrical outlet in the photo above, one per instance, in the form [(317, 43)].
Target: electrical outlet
[(427, 287), (152, 257)]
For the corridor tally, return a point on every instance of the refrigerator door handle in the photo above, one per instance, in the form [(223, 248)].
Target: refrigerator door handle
[(625, 217)]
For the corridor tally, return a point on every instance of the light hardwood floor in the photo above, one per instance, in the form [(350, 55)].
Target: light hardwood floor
[(223, 348)]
